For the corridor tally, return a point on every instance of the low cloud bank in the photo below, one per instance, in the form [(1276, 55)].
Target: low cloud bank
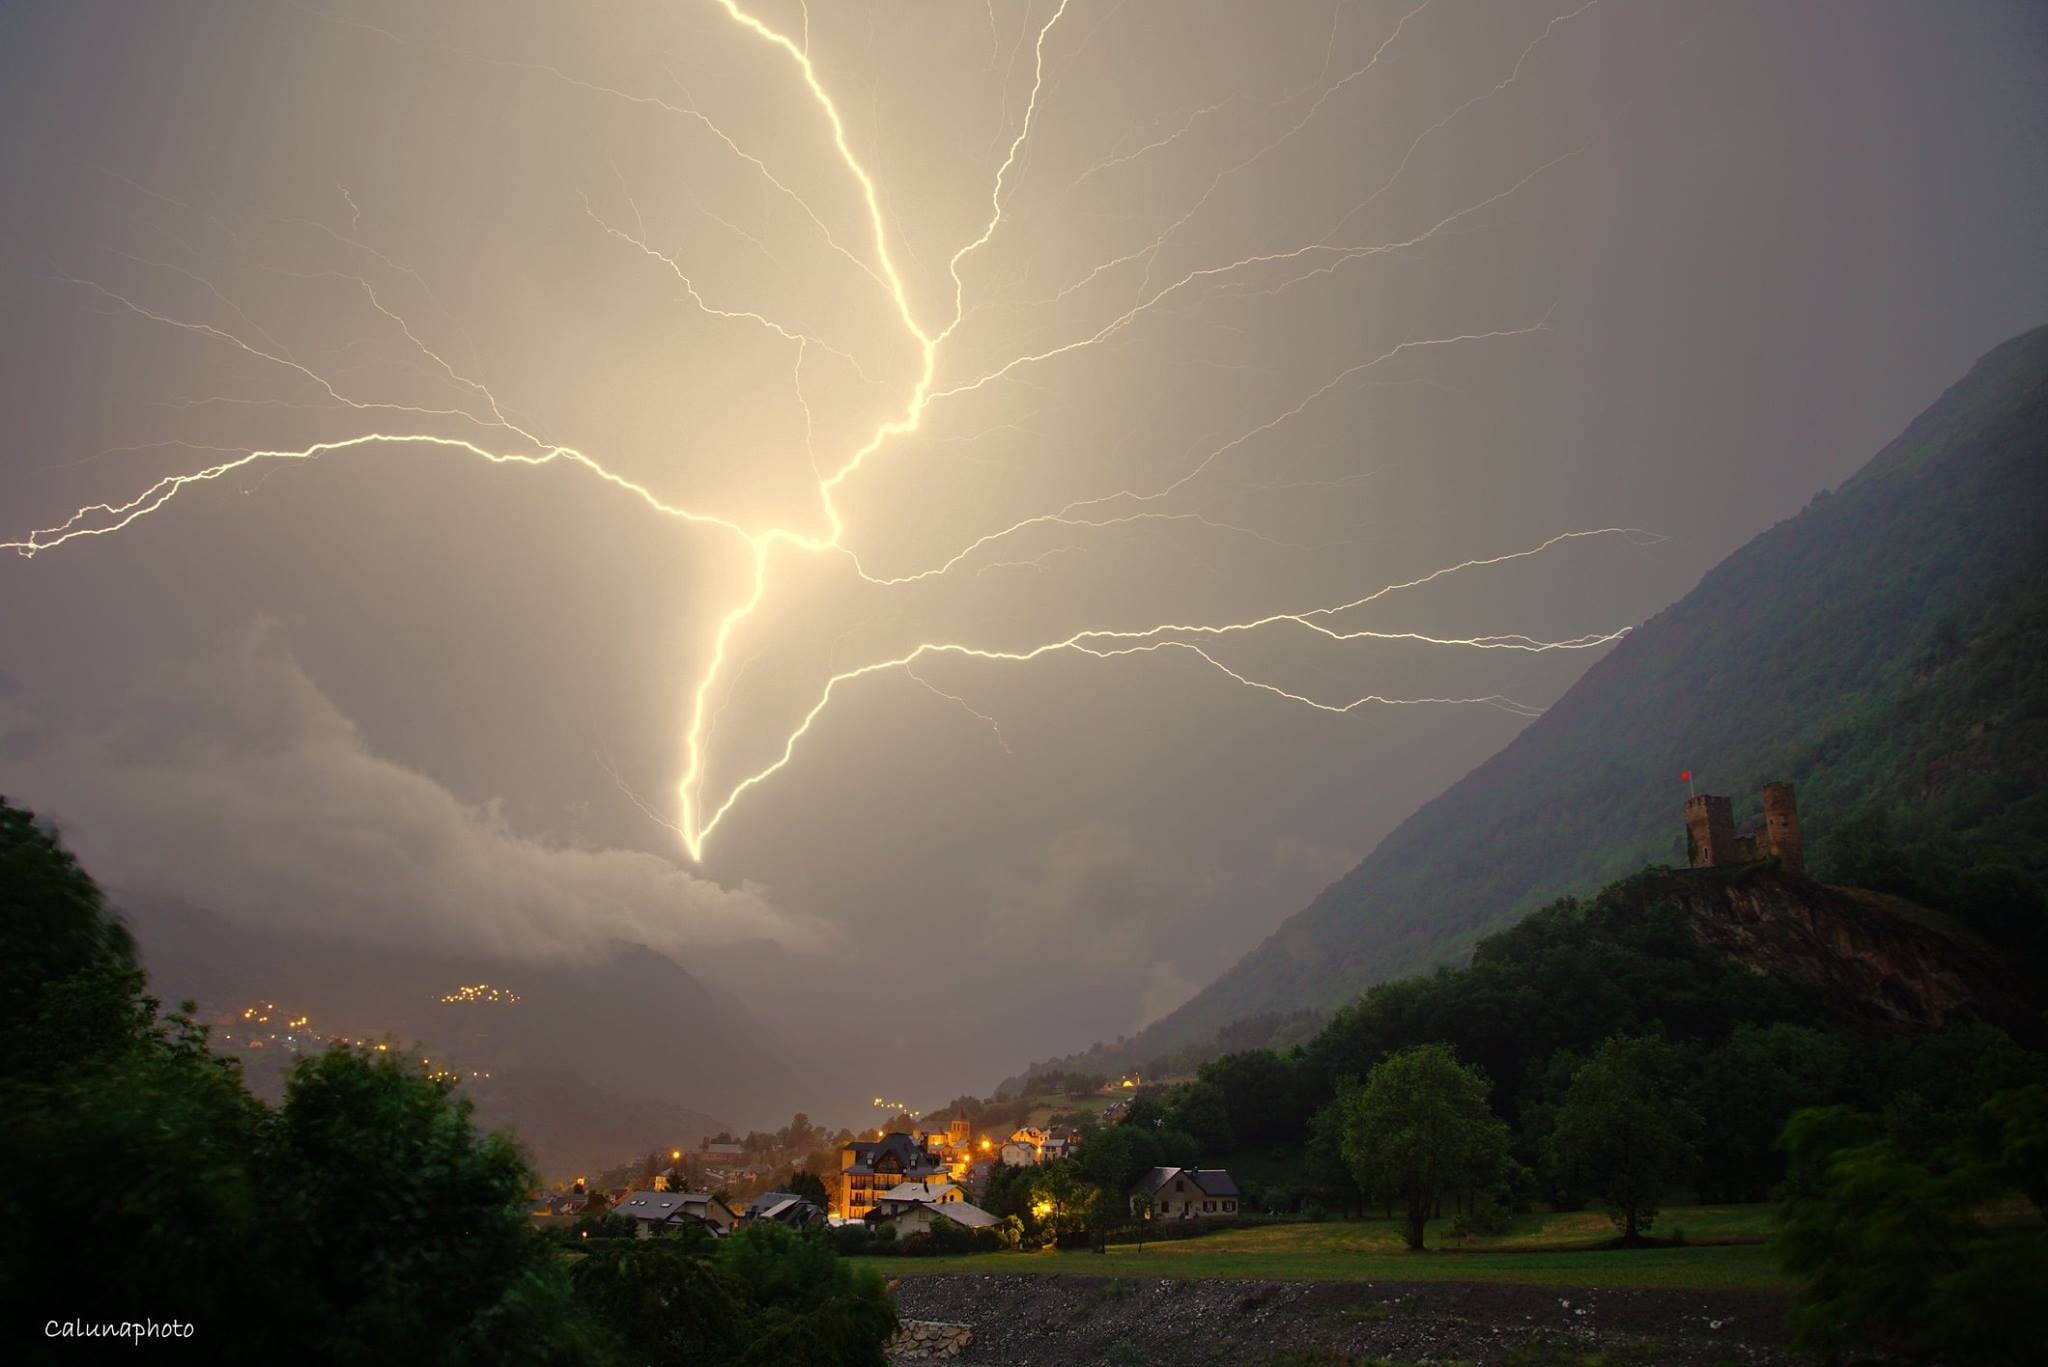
[(234, 783)]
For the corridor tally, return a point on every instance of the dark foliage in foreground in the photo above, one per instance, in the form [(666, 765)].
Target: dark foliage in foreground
[(365, 1219)]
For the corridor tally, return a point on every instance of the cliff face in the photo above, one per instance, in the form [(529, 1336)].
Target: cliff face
[(1862, 954)]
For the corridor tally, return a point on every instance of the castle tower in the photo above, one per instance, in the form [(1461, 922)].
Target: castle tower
[(1781, 827), (1710, 830)]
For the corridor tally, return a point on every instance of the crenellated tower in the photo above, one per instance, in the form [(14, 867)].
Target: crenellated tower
[(1781, 827), (1714, 843), (1710, 830)]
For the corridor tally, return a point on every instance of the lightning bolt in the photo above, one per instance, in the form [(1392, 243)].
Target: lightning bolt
[(485, 431)]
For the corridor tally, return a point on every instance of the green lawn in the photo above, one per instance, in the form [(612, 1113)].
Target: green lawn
[(1551, 1250)]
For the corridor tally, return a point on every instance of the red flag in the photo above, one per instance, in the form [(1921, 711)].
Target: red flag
[(1686, 777)]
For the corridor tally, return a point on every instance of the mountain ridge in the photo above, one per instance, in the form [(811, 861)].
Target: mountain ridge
[(595, 1062), (1784, 661)]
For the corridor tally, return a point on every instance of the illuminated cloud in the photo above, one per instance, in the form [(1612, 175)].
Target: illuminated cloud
[(468, 419), (234, 783)]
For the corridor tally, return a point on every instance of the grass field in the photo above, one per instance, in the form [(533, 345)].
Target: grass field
[(1544, 1249), (1043, 1109)]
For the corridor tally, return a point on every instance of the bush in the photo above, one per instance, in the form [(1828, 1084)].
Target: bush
[(1486, 1213)]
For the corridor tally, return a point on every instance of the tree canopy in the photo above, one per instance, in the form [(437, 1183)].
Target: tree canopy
[(1420, 1127)]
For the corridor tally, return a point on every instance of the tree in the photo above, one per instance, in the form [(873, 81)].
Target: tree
[(1623, 1130), (1257, 1086), (1116, 1157), (1419, 1127), (1061, 1200), (1203, 1111), (1888, 1242), (660, 1300), (810, 1186), (1750, 1084), (55, 929), (1336, 1183), (397, 1230)]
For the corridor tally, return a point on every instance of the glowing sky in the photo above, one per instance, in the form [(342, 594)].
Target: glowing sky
[(1047, 483)]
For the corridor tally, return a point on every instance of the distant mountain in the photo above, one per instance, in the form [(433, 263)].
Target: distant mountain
[(1887, 647), (595, 1063)]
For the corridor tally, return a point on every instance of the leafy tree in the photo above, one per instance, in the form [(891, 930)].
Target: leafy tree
[(1070, 1204), (1419, 1127), (1146, 1113), (1202, 1110), (810, 1186), (1116, 1157), (1750, 1085), (1257, 1088), (661, 1300), (54, 931), (2021, 1145), (1141, 1215), (126, 1145), (399, 1231), (2002, 902), (132, 1170), (1889, 1243), (811, 1307), (1009, 1192), (1335, 1180), (1623, 1129)]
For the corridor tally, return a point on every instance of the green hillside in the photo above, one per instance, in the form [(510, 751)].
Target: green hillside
[(1884, 649)]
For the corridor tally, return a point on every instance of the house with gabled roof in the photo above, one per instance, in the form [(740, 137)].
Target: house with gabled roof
[(657, 1212), (783, 1208), (909, 1215), (1186, 1194)]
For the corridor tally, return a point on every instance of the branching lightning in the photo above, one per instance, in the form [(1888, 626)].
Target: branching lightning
[(484, 431)]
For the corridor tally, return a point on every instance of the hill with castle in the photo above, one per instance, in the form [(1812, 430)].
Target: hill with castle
[(1882, 650)]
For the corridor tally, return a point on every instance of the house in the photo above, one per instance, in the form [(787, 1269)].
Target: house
[(1061, 1141), (565, 1208), (919, 1193), (655, 1212), (912, 1216), (721, 1153), (1015, 1154), (783, 1208), (867, 1168), (1186, 1193)]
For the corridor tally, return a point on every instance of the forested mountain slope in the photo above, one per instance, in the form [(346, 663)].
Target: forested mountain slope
[(1883, 649)]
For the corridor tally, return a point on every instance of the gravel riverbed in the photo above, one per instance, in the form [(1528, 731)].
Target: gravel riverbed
[(1026, 1319)]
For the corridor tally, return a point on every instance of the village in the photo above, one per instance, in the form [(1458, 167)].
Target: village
[(905, 1184)]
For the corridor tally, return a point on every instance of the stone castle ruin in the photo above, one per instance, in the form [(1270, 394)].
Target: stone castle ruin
[(1710, 832)]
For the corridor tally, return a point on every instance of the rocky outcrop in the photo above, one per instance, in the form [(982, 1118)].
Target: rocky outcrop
[(1870, 956)]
